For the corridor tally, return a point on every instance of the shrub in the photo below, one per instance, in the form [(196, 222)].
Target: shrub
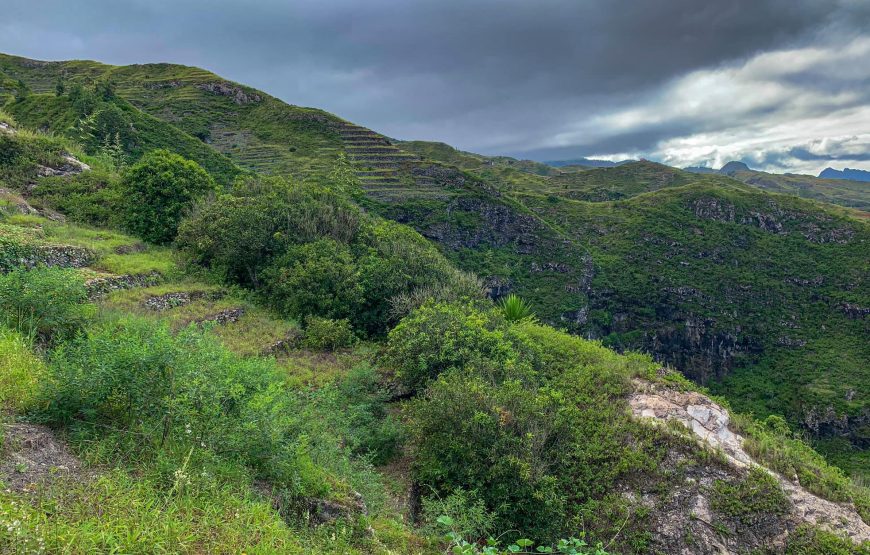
[(327, 334), (176, 392), (356, 409), (21, 372), (531, 418), (44, 303), (157, 190), (241, 233), (316, 278), (515, 309), (438, 337), (467, 514), (92, 197), (468, 433)]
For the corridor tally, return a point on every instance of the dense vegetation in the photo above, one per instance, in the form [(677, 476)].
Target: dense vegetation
[(293, 372)]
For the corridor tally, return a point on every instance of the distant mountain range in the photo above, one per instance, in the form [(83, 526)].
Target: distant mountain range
[(846, 173)]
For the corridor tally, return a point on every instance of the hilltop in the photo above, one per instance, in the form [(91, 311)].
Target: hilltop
[(845, 173), (312, 351)]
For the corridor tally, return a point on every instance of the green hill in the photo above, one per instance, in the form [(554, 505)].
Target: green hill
[(323, 307), (728, 283)]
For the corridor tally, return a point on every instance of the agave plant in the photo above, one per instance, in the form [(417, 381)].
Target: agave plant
[(515, 309)]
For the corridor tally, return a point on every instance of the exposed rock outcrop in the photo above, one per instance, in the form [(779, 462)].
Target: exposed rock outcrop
[(690, 512), (71, 166), (238, 94)]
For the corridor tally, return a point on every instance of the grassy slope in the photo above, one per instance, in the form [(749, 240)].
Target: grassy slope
[(218, 521), (613, 270)]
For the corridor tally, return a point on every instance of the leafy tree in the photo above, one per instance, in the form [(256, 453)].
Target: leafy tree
[(59, 87), (156, 192)]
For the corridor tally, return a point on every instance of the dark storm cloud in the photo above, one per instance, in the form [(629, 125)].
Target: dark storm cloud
[(491, 75)]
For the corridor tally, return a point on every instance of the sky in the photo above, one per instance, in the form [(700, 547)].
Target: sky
[(783, 85)]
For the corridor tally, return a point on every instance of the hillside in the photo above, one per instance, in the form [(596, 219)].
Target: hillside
[(293, 374), (645, 272), (853, 194)]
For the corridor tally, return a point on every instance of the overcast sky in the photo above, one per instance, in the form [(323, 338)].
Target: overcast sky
[(780, 84)]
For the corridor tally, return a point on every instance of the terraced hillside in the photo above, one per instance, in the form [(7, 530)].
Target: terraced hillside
[(184, 416), (762, 296)]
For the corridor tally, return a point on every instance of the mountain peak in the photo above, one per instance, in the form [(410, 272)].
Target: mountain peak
[(733, 167), (846, 173)]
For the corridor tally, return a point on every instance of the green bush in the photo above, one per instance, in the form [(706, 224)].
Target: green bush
[(469, 434), (179, 392), (533, 419), (327, 334), (356, 407), (241, 233), (281, 237), (317, 278), (92, 197), (44, 303), (21, 372), (438, 337), (157, 190)]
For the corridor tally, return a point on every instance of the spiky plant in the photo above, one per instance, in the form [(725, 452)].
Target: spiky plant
[(515, 309)]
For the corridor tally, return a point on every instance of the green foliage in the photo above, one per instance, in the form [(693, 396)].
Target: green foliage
[(536, 443), (123, 512), (93, 197), (315, 278), (464, 511), (23, 152), (157, 190), (439, 337), (239, 234), (327, 334), (21, 373), (313, 252), (183, 392), (808, 540), (515, 309), (44, 303), (356, 408), (757, 496), (458, 545)]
